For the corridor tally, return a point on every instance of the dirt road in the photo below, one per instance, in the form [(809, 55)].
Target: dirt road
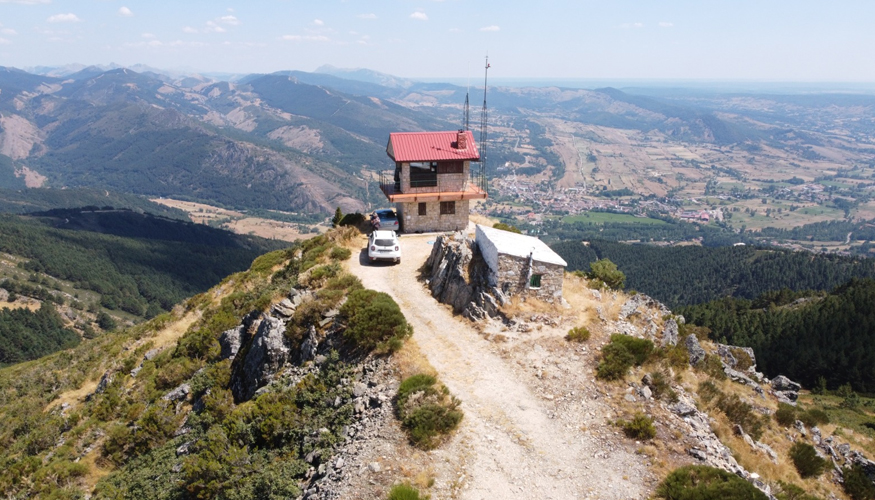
[(511, 445)]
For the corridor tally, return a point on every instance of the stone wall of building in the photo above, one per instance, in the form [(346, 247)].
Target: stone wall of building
[(445, 182), (513, 277), (412, 222)]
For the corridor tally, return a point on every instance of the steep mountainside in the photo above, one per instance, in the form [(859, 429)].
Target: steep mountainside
[(291, 380), (280, 144)]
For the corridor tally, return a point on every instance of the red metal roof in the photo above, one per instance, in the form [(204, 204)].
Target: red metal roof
[(430, 146)]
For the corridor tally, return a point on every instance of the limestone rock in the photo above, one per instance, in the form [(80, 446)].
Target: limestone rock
[(697, 354), (284, 308), (105, 380), (782, 383), (267, 353), (670, 332), (178, 394), (457, 275), (4, 295), (229, 342), (310, 345)]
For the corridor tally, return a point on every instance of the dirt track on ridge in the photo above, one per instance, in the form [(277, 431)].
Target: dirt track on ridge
[(511, 444)]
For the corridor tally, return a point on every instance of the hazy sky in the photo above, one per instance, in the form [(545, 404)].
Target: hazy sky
[(782, 40)]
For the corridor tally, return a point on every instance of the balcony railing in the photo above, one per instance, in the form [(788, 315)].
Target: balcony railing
[(392, 190)]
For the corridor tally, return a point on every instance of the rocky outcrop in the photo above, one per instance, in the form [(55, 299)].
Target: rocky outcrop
[(785, 389), (708, 447), (697, 354), (635, 302), (457, 275), (262, 359), (670, 332), (729, 354)]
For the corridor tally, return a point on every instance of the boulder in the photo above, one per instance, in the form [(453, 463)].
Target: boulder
[(229, 342), (178, 394), (267, 353), (697, 354), (726, 354), (670, 332), (782, 383), (284, 308), (310, 345), (457, 275), (4, 295)]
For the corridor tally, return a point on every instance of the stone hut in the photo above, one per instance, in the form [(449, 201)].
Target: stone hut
[(520, 264)]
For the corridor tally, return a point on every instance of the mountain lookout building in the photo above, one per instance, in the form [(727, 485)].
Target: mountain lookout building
[(431, 185)]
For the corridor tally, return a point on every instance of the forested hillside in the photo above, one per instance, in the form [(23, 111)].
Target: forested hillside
[(22, 201), (686, 275), (133, 274), (26, 334), (807, 339)]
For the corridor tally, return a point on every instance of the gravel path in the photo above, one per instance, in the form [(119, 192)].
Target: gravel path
[(511, 443)]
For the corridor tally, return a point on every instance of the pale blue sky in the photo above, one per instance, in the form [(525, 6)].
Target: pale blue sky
[(774, 40)]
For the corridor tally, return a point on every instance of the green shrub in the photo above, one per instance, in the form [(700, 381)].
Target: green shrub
[(699, 482), (857, 484), (605, 271), (374, 320), (806, 460), (268, 261), (742, 358), (789, 491), (340, 253), (660, 386), (578, 334), (816, 416), (713, 366), (640, 427), (507, 227), (785, 415), (677, 356), (405, 492), (427, 410), (621, 354), (354, 220), (736, 410)]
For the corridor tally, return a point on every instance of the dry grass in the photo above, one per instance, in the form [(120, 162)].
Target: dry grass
[(21, 304), (410, 360), (519, 306), (75, 396), (482, 220), (95, 471)]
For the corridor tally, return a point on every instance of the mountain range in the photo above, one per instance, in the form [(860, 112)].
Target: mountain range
[(309, 142)]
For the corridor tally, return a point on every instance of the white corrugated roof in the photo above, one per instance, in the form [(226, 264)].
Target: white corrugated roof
[(520, 245)]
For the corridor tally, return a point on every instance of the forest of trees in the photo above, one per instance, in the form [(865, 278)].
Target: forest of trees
[(805, 336), (688, 275), (26, 334), (138, 275), (673, 230)]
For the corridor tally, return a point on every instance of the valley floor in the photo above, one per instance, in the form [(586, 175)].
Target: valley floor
[(535, 423)]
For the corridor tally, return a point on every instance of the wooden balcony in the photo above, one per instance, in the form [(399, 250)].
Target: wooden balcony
[(471, 192)]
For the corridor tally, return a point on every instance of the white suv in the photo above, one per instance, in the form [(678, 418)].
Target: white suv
[(383, 245)]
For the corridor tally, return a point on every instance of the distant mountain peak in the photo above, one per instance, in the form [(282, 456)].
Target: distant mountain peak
[(365, 75)]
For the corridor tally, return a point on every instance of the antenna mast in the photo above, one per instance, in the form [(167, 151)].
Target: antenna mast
[(467, 114), (483, 130)]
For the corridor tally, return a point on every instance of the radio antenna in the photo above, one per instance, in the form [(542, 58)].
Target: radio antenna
[(483, 128)]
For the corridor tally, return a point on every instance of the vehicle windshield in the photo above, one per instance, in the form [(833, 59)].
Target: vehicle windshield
[(384, 243)]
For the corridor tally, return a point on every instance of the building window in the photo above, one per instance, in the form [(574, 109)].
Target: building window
[(422, 209), (451, 167), (423, 174), (448, 207), (535, 281)]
